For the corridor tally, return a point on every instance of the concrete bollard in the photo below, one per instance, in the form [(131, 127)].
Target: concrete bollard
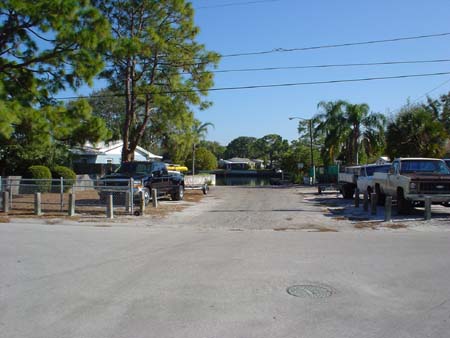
[(71, 209), (5, 201), (109, 207), (142, 203), (37, 204), (155, 198), (373, 203), (388, 209), (356, 198), (366, 201), (427, 208)]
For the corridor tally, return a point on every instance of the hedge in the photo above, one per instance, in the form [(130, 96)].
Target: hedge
[(67, 174), (40, 172)]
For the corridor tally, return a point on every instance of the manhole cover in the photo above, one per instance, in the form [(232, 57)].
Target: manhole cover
[(310, 291)]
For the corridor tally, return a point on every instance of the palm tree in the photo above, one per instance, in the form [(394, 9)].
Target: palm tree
[(345, 126), (329, 127)]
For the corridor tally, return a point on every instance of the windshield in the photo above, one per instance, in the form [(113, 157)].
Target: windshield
[(134, 168), (377, 169), (427, 166)]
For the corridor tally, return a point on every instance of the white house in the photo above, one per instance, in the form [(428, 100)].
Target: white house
[(101, 157)]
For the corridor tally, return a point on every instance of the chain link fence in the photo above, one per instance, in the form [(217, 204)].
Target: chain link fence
[(90, 196)]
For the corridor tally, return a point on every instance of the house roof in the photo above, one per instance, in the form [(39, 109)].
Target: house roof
[(114, 147)]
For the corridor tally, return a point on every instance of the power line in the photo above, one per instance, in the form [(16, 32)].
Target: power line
[(347, 44), (272, 85), (328, 66), (423, 95), (233, 4)]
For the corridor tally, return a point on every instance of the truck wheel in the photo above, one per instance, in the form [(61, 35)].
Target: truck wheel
[(381, 198), (178, 195), (403, 205), (347, 192)]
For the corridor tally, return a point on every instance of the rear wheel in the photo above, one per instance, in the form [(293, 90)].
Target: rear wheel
[(178, 195)]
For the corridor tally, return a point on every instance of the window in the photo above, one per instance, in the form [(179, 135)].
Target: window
[(426, 166)]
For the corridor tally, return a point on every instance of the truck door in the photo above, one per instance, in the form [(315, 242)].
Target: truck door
[(393, 177)]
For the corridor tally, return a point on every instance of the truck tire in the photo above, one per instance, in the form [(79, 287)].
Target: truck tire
[(178, 195), (381, 198), (347, 191), (403, 205)]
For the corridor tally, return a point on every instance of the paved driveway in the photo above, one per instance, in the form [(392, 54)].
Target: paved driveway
[(182, 280)]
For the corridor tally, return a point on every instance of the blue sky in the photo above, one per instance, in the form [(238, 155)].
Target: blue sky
[(299, 23)]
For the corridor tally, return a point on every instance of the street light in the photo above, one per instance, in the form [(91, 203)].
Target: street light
[(310, 144)]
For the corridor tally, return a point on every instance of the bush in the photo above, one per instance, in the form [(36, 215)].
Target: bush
[(67, 174), (204, 160), (40, 172)]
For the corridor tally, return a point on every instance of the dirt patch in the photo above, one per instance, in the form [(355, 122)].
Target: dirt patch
[(366, 225), (311, 228), (395, 226), (4, 219)]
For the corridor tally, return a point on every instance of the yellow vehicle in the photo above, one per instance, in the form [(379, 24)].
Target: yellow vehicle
[(176, 167)]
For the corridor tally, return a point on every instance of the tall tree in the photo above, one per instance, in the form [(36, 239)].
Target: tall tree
[(344, 127), (415, 132), (46, 46), (156, 63), (272, 147), (242, 146)]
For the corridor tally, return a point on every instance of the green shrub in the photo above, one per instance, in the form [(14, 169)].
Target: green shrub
[(40, 172), (67, 174), (204, 160)]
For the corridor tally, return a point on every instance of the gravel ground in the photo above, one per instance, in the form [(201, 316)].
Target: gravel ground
[(217, 269), (293, 208)]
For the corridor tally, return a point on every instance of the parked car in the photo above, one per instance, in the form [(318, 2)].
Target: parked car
[(410, 180), (146, 176), (365, 178)]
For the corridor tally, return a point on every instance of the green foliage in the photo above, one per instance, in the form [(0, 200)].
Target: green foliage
[(348, 131), (110, 108), (243, 146), (299, 152), (40, 172), (416, 133), (204, 160), (158, 66), (271, 148), (46, 46), (215, 147), (41, 135), (67, 174)]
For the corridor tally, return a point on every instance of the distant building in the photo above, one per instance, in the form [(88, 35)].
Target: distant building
[(102, 158), (237, 163)]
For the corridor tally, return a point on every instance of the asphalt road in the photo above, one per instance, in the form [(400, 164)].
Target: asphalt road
[(67, 281)]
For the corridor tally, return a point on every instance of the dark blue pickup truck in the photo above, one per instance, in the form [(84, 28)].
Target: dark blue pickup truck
[(146, 176)]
